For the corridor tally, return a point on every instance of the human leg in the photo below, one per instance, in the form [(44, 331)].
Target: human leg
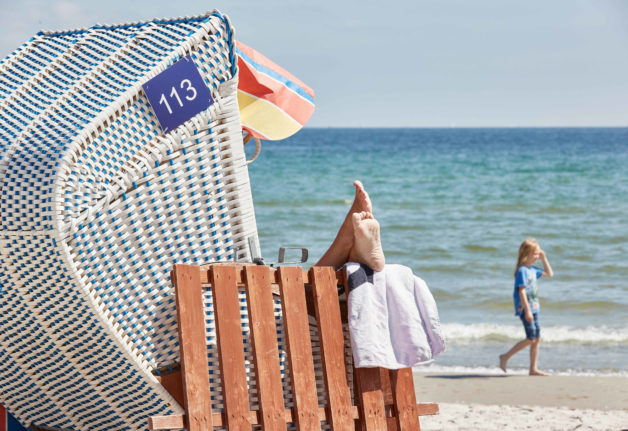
[(534, 348), (367, 247), (503, 359), (534, 356), (531, 334), (338, 253)]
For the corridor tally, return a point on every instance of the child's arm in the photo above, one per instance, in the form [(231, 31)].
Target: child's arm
[(526, 306), (547, 269)]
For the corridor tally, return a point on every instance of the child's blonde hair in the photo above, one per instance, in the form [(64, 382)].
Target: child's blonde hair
[(526, 248)]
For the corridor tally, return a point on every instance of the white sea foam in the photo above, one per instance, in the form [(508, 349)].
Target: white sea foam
[(479, 332), (457, 369)]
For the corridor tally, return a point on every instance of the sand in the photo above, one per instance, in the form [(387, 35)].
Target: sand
[(515, 402)]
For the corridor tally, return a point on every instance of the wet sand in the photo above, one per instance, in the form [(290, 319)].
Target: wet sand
[(516, 402)]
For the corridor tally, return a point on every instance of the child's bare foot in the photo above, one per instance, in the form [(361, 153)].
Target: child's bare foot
[(338, 252), (503, 360), (538, 373), (367, 247)]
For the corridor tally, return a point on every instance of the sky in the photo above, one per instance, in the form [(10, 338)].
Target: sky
[(408, 63)]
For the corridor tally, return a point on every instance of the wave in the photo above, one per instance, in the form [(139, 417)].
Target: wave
[(446, 295), (615, 239), (612, 269), (548, 304), (553, 209), (447, 269), (485, 332), (492, 304), (302, 203), (411, 228), (488, 302), (398, 253), (458, 369), (480, 248), (583, 306)]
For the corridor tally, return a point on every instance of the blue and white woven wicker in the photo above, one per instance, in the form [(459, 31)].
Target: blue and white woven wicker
[(97, 204)]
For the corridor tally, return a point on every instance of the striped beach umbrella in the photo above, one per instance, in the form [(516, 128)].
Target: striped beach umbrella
[(274, 104)]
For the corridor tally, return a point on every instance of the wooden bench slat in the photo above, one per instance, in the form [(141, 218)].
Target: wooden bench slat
[(230, 347), (240, 280), (297, 330), (404, 399), (265, 350), (194, 366), (332, 347), (373, 413), (385, 377)]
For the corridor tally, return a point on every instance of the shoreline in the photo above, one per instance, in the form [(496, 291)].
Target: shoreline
[(495, 371), (479, 401)]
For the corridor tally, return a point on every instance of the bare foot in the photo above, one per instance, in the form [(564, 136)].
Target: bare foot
[(502, 362), (538, 373), (367, 247), (338, 253), (361, 203)]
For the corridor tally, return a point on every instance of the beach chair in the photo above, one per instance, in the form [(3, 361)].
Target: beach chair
[(98, 200), (381, 399)]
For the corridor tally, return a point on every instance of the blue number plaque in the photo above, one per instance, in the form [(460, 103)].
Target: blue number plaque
[(177, 94)]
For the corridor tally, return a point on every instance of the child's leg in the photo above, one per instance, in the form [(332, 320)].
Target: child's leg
[(534, 356), (531, 334), (534, 349), (503, 359)]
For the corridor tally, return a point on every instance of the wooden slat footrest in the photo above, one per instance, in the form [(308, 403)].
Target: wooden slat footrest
[(427, 409), (172, 422)]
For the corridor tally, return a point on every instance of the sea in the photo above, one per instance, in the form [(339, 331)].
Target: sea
[(454, 205)]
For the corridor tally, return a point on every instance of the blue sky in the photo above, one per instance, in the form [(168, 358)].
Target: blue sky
[(411, 63)]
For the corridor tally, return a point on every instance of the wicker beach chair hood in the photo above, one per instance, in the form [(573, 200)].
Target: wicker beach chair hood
[(97, 203)]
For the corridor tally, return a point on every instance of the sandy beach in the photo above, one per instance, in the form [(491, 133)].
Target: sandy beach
[(515, 402)]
